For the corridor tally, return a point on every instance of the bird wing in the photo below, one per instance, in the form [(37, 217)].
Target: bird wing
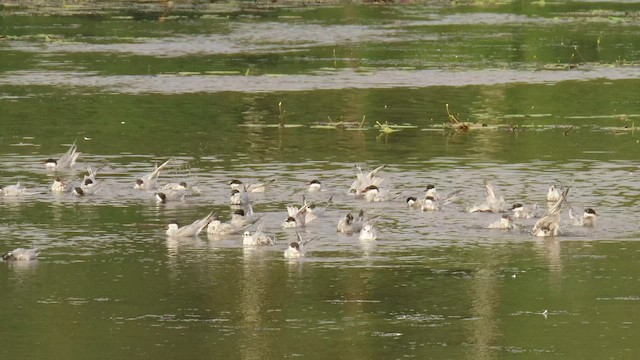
[(375, 171)]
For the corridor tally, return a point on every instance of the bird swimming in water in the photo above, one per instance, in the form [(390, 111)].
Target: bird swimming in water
[(238, 223), (368, 232), (296, 249), (298, 217), (257, 238), (521, 212), (362, 181), (13, 190), (60, 186), (149, 181), (588, 218), (191, 230), (238, 197), (236, 184), (493, 202), (66, 160), (314, 186), (503, 224), (372, 193), (431, 203), (349, 225), (21, 254)]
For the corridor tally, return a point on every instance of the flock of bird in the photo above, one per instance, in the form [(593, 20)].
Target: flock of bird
[(367, 186)]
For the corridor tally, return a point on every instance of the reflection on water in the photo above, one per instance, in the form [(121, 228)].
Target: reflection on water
[(549, 249)]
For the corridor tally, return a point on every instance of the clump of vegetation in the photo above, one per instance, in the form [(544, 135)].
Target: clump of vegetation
[(459, 125)]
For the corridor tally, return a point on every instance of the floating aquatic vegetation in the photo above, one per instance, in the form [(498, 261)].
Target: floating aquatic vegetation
[(209, 72), (556, 67), (340, 124), (258, 125), (390, 128), (518, 116), (614, 116), (334, 124)]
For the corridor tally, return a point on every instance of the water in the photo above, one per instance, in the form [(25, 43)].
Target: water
[(135, 85)]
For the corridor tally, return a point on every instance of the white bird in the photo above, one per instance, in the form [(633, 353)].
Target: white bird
[(181, 186), (66, 160), (60, 186), (21, 254), (349, 225), (296, 249), (162, 197), (149, 181), (588, 218), (318, 211), (217, 227), (413, 202), (362, 181), (431, 191), (89, 180), (244, 218), (431, 203), (503, 224), (368, 232), (522, 212), (236, 184), (191, 230), (553, 195), (493, 202), (372, 193), (257, 238), (298, 217), (549, 224), (314, 186), (236, 225), (13, 190), (238, 197)]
